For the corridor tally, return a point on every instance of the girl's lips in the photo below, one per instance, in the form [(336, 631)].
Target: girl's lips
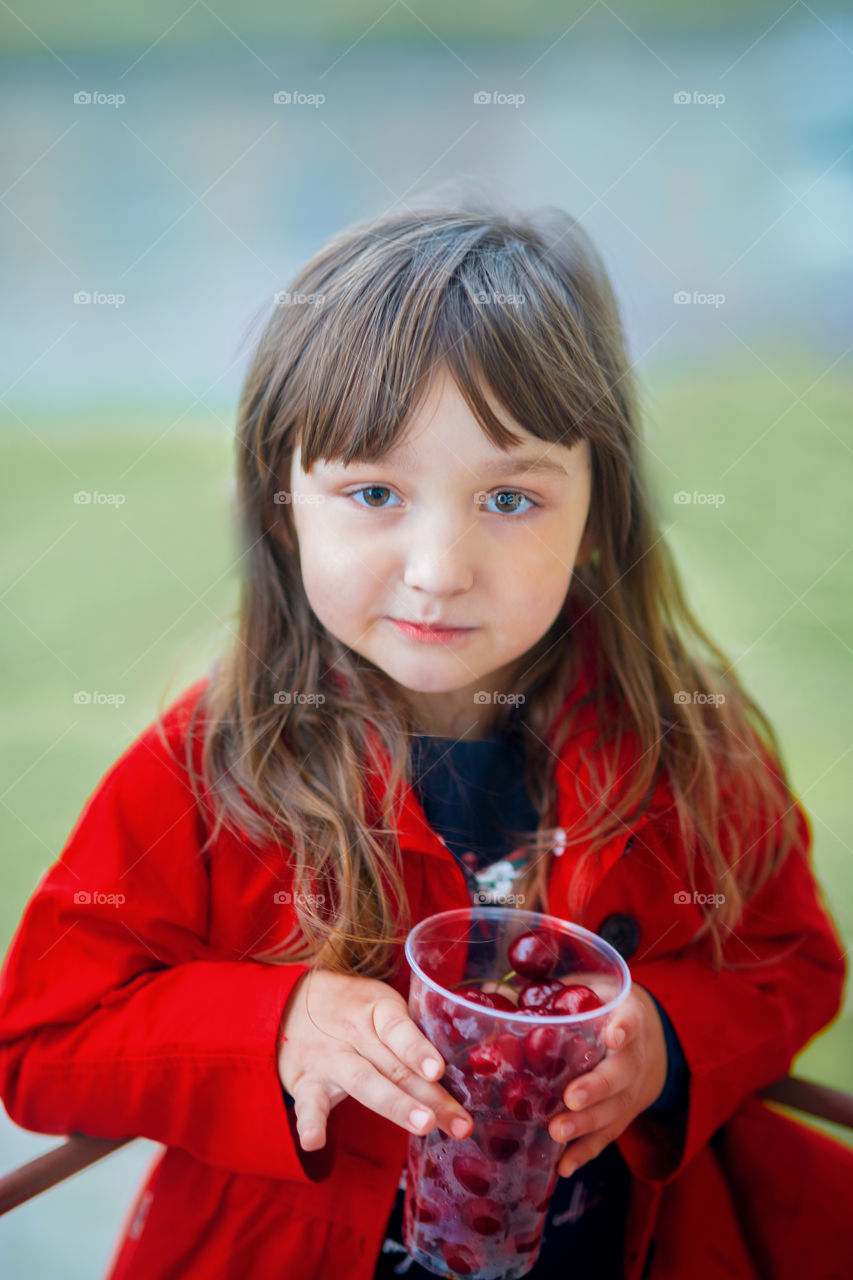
[(432, 635)]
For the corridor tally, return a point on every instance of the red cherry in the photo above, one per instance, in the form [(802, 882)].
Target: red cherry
[(476, 996), (425, 1213), (498, 1057), (537, 995), (459, 1259), (473, 1173), (574, 998), (520, 1096), (543, 1048), (486, 1217), (502, 1145), (526, 1246), (534, 954)]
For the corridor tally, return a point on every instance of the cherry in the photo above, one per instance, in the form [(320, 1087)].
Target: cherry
[(486, 1217), (476, 996), (502, 1145), (544, 1052), (523, 1098), (498, 1057), (459, 1259), (518, 1097), (426, 1213), (473, 1173), (538, 995), (534, 954), (574, 998), (526, 1246)]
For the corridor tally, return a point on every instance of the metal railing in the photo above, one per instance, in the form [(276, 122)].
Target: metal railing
[(79, 1150)]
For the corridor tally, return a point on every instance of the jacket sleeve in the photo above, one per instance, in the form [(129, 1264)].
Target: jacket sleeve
[(739, 1028), (117, 1018)]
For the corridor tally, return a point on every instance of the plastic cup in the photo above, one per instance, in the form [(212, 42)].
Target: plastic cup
[(475, 1208)]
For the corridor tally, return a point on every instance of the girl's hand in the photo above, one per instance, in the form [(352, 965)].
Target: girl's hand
[(605, 1100), (353, 1036)]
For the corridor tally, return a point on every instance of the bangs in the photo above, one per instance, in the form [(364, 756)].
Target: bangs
[(486, 307)]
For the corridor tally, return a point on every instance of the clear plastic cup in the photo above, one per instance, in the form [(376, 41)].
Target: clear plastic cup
[(476, 1208)]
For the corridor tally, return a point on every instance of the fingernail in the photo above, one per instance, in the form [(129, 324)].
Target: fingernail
[(459, 1127), (566, 1130), (418, 1118), (619, 1038), (431, 1067), (579, 1099), (568, 1171)]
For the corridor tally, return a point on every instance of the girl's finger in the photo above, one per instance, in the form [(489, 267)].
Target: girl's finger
[(405, 1039), (360, 1078), (450, 1116), (611, 1076), (567, 1126), (312, 1105)]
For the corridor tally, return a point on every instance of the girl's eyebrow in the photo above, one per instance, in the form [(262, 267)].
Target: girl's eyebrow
[(502, 467)]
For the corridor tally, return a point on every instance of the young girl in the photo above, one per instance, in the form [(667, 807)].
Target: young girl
[(465, 670)]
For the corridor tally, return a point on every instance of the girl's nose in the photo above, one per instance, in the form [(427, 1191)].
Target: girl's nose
[(438, 562)]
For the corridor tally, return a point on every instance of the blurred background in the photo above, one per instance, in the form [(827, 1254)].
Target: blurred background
[(166, 171)]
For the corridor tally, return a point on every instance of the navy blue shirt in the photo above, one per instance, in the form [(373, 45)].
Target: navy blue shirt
[(473, 792)]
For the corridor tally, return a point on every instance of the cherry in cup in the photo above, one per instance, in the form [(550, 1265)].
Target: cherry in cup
[(517, 1004)]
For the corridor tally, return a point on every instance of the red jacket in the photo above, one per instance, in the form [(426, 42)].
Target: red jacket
[(141, 1015)]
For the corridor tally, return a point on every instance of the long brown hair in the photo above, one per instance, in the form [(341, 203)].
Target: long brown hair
[(344, 360)]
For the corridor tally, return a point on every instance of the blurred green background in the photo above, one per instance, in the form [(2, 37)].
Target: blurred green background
[(197, 197)]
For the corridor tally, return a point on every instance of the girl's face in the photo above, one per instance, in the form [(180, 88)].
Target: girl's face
[(446, 530)]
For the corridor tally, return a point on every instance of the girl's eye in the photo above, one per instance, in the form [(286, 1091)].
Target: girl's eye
[(507, 499), (373, 490)]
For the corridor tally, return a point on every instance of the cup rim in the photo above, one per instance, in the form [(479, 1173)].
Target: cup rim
[(558, 1019)]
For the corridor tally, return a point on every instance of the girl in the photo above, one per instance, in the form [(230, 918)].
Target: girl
[(465, 670)]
